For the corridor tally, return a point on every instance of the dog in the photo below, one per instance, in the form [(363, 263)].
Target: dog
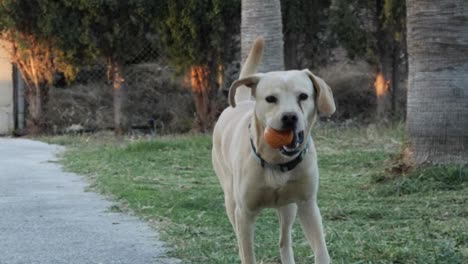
[(254, 175)]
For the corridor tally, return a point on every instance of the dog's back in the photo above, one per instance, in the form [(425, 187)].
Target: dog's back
[(228, 126)]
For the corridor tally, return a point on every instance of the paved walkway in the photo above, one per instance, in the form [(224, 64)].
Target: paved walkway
[(46, 217)]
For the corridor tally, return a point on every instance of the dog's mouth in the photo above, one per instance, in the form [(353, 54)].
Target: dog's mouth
[(293, 148)]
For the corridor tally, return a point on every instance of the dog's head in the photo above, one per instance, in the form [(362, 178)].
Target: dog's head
[(288, 100)]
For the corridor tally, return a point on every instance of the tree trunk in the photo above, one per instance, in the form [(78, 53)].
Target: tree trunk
[(437, 117), (202, 107), (385, 44), (120, 97), (263, 17), (35, 97), (395, 81), (383, 94), (291, 58), (202, 93), (36, 64)]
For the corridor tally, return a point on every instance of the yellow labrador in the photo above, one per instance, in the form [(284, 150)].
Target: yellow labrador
[(254, 175)]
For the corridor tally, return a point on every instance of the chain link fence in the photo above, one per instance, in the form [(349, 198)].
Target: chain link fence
[(157, 100)]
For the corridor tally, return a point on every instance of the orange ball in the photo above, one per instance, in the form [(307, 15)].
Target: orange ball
[(277, 139)]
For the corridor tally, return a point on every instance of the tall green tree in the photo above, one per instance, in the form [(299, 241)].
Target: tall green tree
[(305, 25), (45, 34), (34, 50), (112, 31), (117, 31), (375, 30), (437, 118), (198, 37)]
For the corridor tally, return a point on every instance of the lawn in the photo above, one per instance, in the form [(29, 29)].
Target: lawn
[(369, 216)]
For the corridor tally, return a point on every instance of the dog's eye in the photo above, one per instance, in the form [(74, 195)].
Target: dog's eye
[(303, 97), (271, 99)]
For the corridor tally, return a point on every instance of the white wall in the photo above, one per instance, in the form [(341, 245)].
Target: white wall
[(6, 93)]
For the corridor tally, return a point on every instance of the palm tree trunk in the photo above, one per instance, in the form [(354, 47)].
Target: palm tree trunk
[(437, 118), (263, 17)]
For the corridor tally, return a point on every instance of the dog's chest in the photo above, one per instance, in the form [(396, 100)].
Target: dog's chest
[(277, 192)]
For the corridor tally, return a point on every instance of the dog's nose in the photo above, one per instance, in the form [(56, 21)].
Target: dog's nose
[(289, 120)]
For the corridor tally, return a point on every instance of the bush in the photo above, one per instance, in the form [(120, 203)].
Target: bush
[(352, 85)]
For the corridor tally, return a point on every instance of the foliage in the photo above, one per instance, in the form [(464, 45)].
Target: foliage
[(24, 25), (198, 36), (305, 25), (34, 50), (196, 32), (359, 24), (170, 181), (394, 18), (115, 29), (375, 30), (80, 30), (348, 28)]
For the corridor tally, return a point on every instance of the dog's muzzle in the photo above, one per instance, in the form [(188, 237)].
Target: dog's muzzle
[(294, 148)]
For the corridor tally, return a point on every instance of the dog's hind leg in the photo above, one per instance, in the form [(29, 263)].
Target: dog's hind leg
[(286, 215), (311, 222)]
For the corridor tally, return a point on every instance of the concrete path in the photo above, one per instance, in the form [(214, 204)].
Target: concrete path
[(46, 217)]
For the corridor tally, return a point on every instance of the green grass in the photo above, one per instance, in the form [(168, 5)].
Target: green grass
[(420, 217)]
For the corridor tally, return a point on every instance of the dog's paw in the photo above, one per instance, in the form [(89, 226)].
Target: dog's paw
[(322, 258)]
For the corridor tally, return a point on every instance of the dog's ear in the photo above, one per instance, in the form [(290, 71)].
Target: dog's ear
[(325, 103), (249, 82)]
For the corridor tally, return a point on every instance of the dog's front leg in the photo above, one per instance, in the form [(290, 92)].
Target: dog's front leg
[(311, 222), (245, 225), (287, 215)]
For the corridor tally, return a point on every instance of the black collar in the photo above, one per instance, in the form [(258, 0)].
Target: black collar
[(283, 167)]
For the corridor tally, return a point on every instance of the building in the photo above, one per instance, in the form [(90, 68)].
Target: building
[(11, 95), (6, 94)]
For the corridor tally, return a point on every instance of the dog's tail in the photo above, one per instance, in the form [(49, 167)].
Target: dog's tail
[(249, 68)]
